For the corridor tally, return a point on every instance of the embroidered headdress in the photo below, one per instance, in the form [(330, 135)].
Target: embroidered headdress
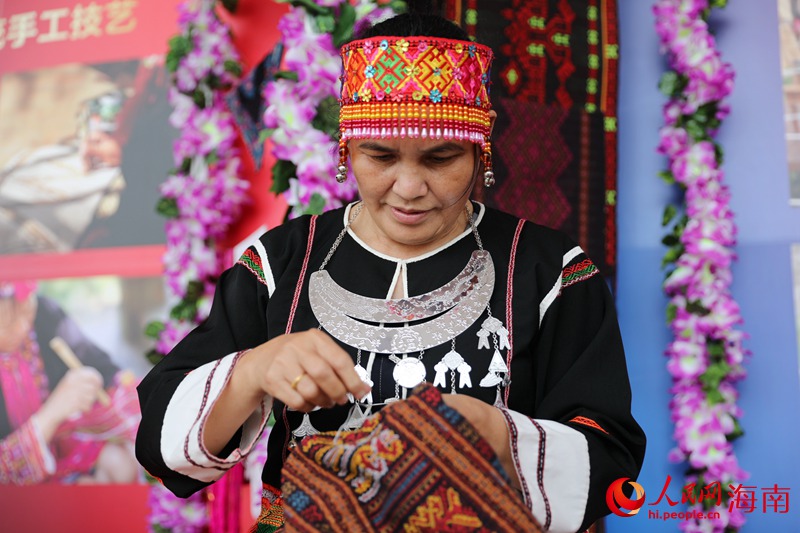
[(415, 87)]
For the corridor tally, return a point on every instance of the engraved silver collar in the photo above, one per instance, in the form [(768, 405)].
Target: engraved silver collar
[(447, 311)]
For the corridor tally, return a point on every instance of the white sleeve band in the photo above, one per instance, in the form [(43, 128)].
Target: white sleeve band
[(555, 290), (552, 462), (44, 449), (268, 277), (181, 435)]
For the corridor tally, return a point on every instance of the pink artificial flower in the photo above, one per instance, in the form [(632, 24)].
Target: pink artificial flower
[(674, 141)]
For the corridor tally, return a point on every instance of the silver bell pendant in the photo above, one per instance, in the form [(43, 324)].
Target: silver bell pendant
[(341, 177), (488, 178)]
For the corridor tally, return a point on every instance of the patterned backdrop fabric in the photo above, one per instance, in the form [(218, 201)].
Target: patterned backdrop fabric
[(554, 87)]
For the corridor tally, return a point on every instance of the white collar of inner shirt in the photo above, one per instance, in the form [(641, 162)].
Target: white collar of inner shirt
[(426, 255)]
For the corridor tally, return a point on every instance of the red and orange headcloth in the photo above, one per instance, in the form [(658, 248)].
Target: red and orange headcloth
[(415, 87)]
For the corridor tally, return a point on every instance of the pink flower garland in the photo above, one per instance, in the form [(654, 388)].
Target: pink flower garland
[(706, 357), (205, 195), (176, 515), (294, 104), (201, 199)]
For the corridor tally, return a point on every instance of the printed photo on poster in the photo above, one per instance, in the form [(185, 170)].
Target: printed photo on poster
[(71, 354), (789, 32), (84, 150), (796, 289)]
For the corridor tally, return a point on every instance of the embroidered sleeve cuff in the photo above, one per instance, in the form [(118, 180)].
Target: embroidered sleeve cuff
[(24, 456), (552, 462), (182, 433)]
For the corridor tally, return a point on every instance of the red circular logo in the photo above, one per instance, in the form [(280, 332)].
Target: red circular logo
[(620, 504)]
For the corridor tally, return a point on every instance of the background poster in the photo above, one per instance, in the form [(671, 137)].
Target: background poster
[(84, 118), (56, 337), (86, 141), (789, 26), (796, 289)]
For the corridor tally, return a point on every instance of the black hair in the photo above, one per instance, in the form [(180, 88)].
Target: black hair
[(415, 24)]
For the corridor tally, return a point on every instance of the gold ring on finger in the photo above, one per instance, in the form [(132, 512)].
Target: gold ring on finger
[(297, 380)]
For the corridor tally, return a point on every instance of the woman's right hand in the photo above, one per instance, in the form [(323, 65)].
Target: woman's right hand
[(75, 393), (303, 370)]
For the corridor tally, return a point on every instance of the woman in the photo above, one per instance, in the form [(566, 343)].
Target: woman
[(514, 323), (52, 428)]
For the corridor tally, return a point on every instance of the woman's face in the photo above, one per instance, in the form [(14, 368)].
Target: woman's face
[(415, 192), (16, 322)]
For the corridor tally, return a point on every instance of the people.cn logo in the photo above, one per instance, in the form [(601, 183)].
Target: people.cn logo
[(620, 504)]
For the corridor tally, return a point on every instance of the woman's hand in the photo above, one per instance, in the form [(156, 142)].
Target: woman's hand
[(491, 424), (74, 394), (303, 370)]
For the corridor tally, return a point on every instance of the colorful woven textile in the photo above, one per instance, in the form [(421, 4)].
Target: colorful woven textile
[(416, 466), (418, 87), (271, 517), (554, 87)]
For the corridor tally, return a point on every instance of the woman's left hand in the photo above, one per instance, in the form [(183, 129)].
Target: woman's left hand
[(491, 424)]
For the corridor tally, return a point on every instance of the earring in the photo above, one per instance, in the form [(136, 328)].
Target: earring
[(488, 174), (341, 175)]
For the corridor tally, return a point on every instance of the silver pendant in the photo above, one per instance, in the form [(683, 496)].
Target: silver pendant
[(496, 367), (362, 373), (441, 379), (483, 339), (492, 324), (408, 372), (490, 380), (497, 364), (498, 400), (502, 335), (463, 375), (305, 428), (452, 359), (356, 417)]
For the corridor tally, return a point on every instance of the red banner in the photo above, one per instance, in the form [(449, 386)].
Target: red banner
[(45, 33)]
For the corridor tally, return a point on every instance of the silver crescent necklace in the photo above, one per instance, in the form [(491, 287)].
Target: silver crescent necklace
[(428, 320)]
